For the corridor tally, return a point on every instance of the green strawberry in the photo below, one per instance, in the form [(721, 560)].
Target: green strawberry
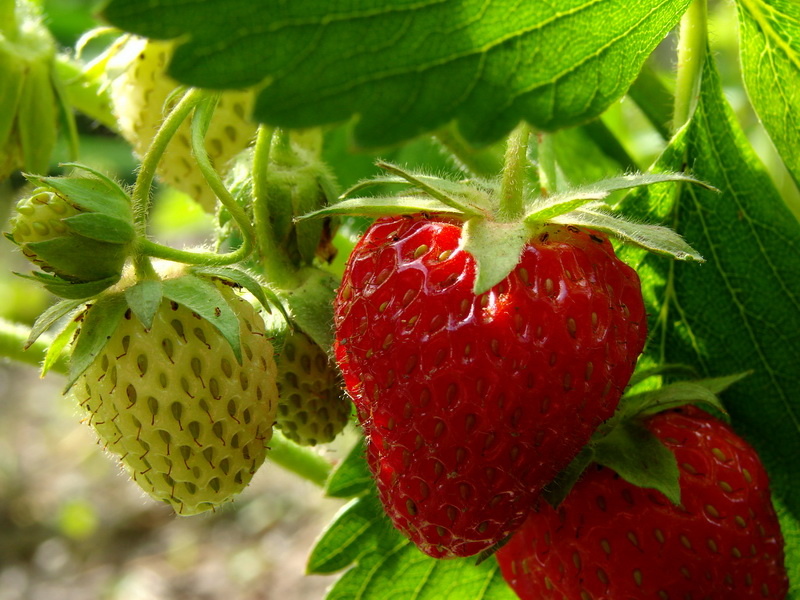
[(188, 421), (139, 96), (312, 408)]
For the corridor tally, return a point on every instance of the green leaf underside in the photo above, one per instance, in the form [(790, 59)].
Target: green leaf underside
[(496, 248), (389, 567), (98, 325), (311, 306), (770, 55), (671, 396), (143, 299), (558, 204), (65, 289), (92, 195), (351, 477), (741, 310), (103, 228), (49, 317), (640, 458), (203, 298), (406, 67), (56, 347), (655, 238), (383, 205)]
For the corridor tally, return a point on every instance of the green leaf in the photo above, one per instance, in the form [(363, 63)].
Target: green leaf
[(640, 458), (203, 298), (389, 567), (91, 194), (352, 476), (12, 79), (80, 258), (671, 396), (101, 227), (66, 289), (49, 317), (496, 248), (37, 117), (379, 206), (654, 238), (55, 351), (99, 323), (310, 305), (741, 310), (559, 488), (407, 67), (143, 299), (242, 279), (770, 54)]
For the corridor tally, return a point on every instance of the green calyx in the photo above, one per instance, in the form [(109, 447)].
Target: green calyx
[(503, 214), (625, 445), (78, 229), (29, 102)]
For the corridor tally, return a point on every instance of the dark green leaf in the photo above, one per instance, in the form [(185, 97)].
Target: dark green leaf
[(407, 67), (98, 325), (352, 476), (49, 317), (558, 489), (203, 298), (640, 458), (143, 299), (101, 227), (65, 289), (741, 310), (770, 50), (80, 258), (243, 279)]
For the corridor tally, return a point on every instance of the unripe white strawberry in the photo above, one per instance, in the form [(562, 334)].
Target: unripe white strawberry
[(139, 95), (188, 421)]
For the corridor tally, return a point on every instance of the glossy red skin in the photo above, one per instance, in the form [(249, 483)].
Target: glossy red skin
[(470, 405), (724, 543)]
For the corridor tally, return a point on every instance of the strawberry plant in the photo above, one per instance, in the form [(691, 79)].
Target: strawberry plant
[(509, 281)]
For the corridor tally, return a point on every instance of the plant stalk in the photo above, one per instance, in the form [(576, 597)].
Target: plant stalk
[(299, 460), (512, 182), (692, 48), (546, 154)]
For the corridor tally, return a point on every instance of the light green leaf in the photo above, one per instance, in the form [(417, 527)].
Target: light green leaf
[(496, 248), (203, 297), (352, 476), (406, 67), (654, 238), (90, 194), (671, 396), (98, 325), (49, 317), (383, 205), (389, 567), (640, 458), (741, 310), (143, 299), (55, 351), (37, 118), (770, 54)]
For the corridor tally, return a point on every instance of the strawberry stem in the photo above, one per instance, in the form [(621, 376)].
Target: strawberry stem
[(147, 170), (274, 261), (512, 183), (299, 460), (546, 161), (692, 47)]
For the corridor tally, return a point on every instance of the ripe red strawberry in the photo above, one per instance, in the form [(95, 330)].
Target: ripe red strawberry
[(612, 540), (471, 404)]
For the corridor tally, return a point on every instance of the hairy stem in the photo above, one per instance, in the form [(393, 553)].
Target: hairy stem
[(12, 340), (483, 162), (297, 459), (512, 182), (209, 259), (692, 47), (546, 155), (147, 170), (273, 259)]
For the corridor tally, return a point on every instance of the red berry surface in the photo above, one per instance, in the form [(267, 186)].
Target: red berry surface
[(610, 540), (471, 404)]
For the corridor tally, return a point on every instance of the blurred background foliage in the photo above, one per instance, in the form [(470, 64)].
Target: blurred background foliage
[(72, 527)]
